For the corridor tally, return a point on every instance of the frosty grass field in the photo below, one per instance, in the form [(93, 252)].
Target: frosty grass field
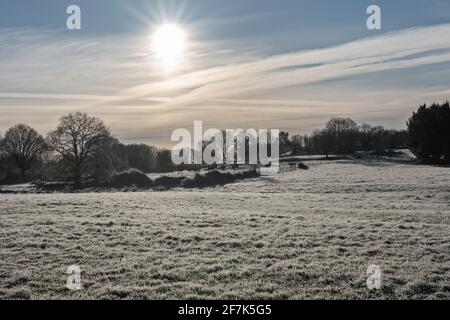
[(300, 234)]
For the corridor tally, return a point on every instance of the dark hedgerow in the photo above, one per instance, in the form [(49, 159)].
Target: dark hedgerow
[(131, 177)]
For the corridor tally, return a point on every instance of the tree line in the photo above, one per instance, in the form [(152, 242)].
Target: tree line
[(82, 147), (427, 136), (344, 136)]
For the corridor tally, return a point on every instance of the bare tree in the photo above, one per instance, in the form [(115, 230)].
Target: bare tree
[(23, 145), (285, 143), (164, 160), (344, 132), (76, 139), (297, 142)]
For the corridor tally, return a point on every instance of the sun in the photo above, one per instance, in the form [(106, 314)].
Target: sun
[(169, 42)]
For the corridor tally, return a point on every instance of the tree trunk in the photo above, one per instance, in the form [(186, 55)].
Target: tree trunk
[(77, 177)]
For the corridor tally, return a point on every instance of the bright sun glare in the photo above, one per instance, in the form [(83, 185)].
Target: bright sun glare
[(169, 43)]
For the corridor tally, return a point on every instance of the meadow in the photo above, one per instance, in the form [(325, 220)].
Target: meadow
[(303, 234)]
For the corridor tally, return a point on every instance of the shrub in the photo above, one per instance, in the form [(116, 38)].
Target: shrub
[(200, 181), (216, 178), (302, 166), (249, 174), (168, 182), (54, 186), (219, 178), (131, 177)]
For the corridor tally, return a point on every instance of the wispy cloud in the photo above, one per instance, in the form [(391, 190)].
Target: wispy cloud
[(47, 74), (403, 49)]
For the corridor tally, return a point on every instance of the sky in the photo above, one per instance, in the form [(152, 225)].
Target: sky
[(288, 64)]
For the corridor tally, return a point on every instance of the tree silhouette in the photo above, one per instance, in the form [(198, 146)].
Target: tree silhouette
[(297, 143), (343, 133), (164, 159), (76, 140), (23, 145), (429, 133)]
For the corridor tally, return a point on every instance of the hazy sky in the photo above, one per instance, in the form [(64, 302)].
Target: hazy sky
[(288, 64)]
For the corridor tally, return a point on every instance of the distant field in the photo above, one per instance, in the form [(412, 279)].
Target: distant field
[(301, 234)]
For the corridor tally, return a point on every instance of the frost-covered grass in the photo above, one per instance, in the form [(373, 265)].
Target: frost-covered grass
[(301, 234)]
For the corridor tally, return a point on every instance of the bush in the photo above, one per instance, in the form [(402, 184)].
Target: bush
[(54, 186), (167, 182), (249, 174), (216, 178), (200, 181), (302, 166), (429, 133), (131, 177)]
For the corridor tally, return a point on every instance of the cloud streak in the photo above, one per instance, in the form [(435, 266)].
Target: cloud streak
[(116, 77), (404, 49)]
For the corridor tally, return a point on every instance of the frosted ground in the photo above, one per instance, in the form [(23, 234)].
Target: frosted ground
[(301, 234)]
